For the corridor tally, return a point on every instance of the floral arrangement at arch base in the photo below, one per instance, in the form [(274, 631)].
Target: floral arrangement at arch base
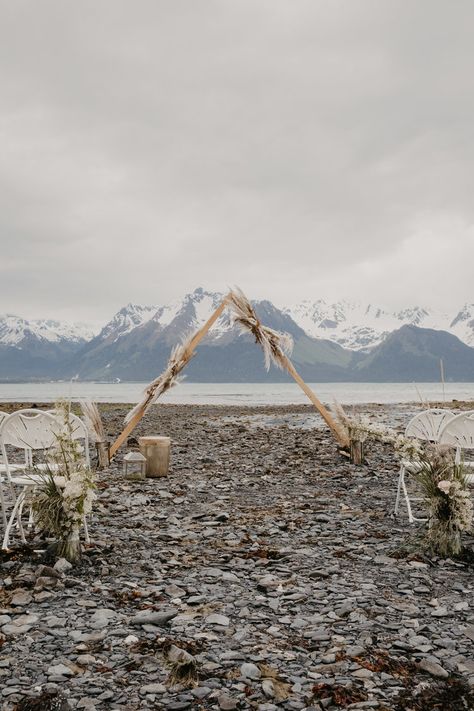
[(65, 492), (443, 481), (445, 489)]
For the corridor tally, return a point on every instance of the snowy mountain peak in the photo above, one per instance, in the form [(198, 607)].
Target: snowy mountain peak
[(465, 314), (361, 326), (415, 315), (125, 320), (351, 324), (15, 330)]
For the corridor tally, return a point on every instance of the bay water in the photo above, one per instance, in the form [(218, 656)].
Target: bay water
[(240, 393)]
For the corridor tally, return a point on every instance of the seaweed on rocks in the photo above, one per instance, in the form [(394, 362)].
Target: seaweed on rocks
[(339, 695), (453, 694), (46, 701), (378, 660)]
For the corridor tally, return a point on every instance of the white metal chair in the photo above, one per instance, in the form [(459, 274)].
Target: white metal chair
[(13, 467), (31, 431), (459, 433), (427, 426)]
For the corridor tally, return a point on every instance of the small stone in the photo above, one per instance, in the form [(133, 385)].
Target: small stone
[(62, 566), (21, 598), (85, 659), (176, 654), (153, 689), (130, 639), (102, 617), (250, 671), (363, 673), (59, 670), (226, 703), (433, 668), (220, 620), (153, 618), (201, 692)]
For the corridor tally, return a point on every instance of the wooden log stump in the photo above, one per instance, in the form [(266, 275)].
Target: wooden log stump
[(103, 459), (156, 451), (356, 451)]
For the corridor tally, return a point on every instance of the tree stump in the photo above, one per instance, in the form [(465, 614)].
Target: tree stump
[(357, 452), (103, 459)]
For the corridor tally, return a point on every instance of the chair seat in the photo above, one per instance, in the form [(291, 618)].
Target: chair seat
[(12, 467), (34, 480), (42, 467), (410, 466)]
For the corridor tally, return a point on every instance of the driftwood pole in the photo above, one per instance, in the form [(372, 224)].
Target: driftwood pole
[(331, 423), (198, 336)]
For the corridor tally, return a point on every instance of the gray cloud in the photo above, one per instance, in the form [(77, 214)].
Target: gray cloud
[(299, 149)]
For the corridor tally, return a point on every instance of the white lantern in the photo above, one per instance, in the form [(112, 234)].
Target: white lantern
[(134, 466)]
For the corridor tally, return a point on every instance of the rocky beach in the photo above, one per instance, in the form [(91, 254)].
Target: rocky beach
[(264, 572)]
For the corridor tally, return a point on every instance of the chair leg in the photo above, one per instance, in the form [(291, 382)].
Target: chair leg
[(2, 502), (86, 531), (407, 498), (399, 489), (17, 508)]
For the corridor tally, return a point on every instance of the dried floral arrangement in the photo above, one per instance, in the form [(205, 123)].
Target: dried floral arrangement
[(95, 427), (445, 489), (276, 348), (178, 360), (443, 481), (64, 491)]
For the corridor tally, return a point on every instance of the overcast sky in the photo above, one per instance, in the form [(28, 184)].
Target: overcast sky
[(297, 148)]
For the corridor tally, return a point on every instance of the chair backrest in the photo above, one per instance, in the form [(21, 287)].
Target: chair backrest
[(428, 425), (29, 429), (459, 432)]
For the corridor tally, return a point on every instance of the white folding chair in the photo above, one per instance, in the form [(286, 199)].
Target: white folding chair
[(31, 431), (459, 433), (427, 426), (13, 467)]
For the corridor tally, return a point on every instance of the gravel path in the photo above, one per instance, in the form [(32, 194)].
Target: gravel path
[(265, 572)]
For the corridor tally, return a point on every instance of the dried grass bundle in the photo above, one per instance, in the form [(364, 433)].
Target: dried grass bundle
[(276, 346), (179, 358), (93, 420), (341, 416)]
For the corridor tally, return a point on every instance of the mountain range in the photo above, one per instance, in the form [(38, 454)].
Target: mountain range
[(345, 341)]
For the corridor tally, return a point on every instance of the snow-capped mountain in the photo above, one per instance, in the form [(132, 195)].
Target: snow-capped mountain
[(125, 320), (359, 326), (332, 341), (39, 348), (462, 325), (14, 330)]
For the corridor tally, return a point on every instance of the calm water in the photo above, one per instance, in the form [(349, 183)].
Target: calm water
[(238, 393)]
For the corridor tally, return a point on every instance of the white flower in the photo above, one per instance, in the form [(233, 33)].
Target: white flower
[(445, 486)]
